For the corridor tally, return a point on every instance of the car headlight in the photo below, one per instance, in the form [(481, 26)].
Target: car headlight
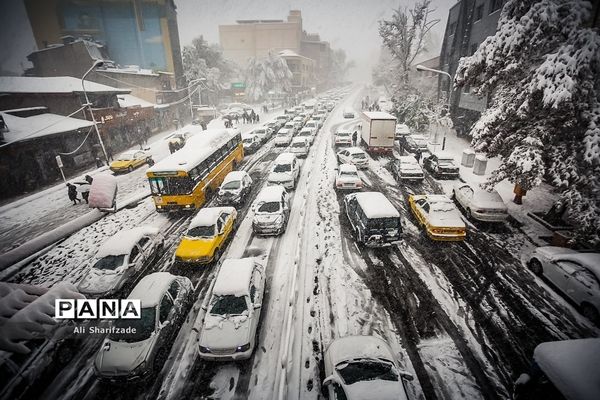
[(278, 220), (241, 349), (204, 349)]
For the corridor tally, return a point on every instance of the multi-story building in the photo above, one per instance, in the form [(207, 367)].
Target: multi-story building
[(313, 47), (303, 70), (136, 32), (470, 22)]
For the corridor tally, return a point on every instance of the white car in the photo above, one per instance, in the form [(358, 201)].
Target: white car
[(343, 138), (313, 124), (120, 261), (347, 178), (480, 204), (348, 113), (407, 168), (250, 142), (291, 126), (300, 146), (284, 137), (264, 133), (298, 122), (307, 133), (235, 188), (127, 357), (575, 274), (353, 155), (229, 329), (285, 171), (363, 367), (271, 211)]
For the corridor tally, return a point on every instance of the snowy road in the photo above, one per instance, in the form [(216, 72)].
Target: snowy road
[(462, 317)]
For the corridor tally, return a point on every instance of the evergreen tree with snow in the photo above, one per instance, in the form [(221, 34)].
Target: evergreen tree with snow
[(270, 73), (542, 72)]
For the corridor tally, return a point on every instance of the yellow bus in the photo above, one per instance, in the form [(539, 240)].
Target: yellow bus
[(187, 178)]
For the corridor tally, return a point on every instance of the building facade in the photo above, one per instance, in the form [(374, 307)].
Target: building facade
[(135, 32), (302, 68), (318, 50), (470, 22)]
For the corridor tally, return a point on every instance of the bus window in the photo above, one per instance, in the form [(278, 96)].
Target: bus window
[(157, 185)]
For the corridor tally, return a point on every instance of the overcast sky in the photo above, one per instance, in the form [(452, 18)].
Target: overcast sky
[(347, 24)]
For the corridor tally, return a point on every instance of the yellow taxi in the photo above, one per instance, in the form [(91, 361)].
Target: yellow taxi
[(439, 216), (130, 160), (206, 236)]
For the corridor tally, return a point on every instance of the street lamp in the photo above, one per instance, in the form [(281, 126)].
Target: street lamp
[(97, 63), (421, 68), (190, 95)]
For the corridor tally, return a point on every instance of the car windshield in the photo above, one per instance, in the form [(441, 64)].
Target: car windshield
[(228, 305), (298, 144), (350, 174), (269, 207), (142, 328), (359, 155), (282, 168), (248, 140), (343, 133), (383, 223), (201, 231), (231, 185), (366, 370), (110, 262)]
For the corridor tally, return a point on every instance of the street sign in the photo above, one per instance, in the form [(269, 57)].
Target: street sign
[(238, 85)]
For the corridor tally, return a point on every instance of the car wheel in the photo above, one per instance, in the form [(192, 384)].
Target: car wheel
[(590, 312), (130, 168), (536, 267), (469, 215)]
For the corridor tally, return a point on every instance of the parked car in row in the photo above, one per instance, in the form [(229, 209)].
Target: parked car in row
[(230, 327), (235, 188), (347, 178), (363, 367), (480, 204), (308, 134), (374, 220), (284, 137), (250, 142), (343, 138), (441, 165), (130, 160), (128, 357), (271, 211), (285, 171), (264, 133), (439, 216), (354, 156), (407, 168), (206, 236), (575, 274), (120, 261), (300, 146)]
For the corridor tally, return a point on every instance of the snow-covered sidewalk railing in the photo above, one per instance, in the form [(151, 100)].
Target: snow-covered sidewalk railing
[(49, 238)]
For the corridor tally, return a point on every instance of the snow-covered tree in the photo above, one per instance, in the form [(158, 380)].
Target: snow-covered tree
[(270, 73), (542, 71), (405, 36)]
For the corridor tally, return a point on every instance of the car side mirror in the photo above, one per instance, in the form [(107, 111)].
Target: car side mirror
[(257, 306), (328, 381), (407, 376)]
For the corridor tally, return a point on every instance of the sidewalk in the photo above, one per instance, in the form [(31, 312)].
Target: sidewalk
[(538, 199)]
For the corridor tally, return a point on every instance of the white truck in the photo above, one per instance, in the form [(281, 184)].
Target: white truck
[(378, 131)]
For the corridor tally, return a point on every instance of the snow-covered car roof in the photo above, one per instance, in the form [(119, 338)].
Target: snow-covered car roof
[(123, 241), (196, 150), (283, 131), (348, 168), (285, 158), (590, 260), (299, 140), (248, 136), (234, 176), (573, 366), (357, 347), (355, 150), (208, 216), (444, 155), (269, 194), (408, 160), (234, 277), (375, 205), (151, 288), (304, 130)]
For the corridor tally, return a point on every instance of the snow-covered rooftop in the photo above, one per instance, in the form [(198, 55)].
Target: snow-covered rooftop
[(26, 128), (123, 241), (208, 216), (573, 366), (53, 84), (376, 205), (196, 150), (151, 288), (269, 194), (378, 115), (128, 100), (234, 277)]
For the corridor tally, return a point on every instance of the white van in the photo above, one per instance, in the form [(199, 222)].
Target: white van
[(285, 171), (233, 311), (300, 146), (271, 211)]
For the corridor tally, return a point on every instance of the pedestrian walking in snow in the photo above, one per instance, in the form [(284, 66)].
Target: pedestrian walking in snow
[(418, 156), (354, 138), (237, 119), (72, 192), (257, 118)]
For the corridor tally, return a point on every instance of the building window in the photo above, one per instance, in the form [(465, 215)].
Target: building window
[(495, 5), (452, 29), (473, 48), (478, 13)]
